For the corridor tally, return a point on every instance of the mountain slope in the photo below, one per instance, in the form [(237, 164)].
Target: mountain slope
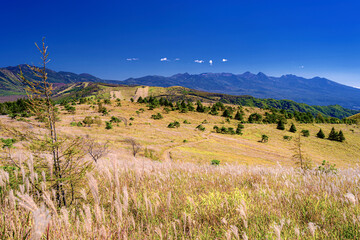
[(314, 91), (10, 83)]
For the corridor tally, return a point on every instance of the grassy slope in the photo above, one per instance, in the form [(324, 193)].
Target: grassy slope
[(180, 93), (202, 147), (356, 117), (187, 198)]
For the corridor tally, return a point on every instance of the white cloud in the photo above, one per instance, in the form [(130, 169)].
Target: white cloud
[(132, 59), (224, 60), (177, 59), (210, 62), (302, 66), (164, 59), (199, 61)]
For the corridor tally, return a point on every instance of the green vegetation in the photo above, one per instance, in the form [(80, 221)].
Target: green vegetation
[(280, 125), (264, 138), (320, 134), (336, 136), (200, 127), (292, 128), (157, 116), (174, 124), (305, 133), (215, 162)]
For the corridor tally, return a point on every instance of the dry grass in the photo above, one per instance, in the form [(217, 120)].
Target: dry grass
[(140, 199), (255, 193), (205, 146)]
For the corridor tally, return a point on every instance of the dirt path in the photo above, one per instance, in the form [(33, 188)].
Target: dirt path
[(166, 156), (141, 92)]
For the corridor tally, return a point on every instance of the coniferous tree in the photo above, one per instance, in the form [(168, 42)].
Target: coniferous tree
[(320, 134), (227, 113), (292, 128), (239, 116), (333, 135), (341, 137), (239, 129), (281, 125)]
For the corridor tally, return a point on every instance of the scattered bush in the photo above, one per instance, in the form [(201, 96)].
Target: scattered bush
[(115, 120), (326, 167), (157, 116), (305, 133), (174, 124), (200, 127), (88, 121), (264, 138), (215, 162), (288, 138), (186, 122), (108, 125)]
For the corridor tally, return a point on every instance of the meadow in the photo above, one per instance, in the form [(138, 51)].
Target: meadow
[(256, 192)]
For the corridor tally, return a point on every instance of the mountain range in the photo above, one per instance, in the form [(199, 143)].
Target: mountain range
[(314, 91)]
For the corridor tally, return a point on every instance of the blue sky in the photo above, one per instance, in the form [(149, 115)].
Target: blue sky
[(302, 37)]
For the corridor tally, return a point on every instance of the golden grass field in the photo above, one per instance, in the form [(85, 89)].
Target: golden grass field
[(202, 147), (257, 191)]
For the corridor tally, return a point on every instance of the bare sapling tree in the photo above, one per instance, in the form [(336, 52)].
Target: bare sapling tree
[(68, 165), (135, 146), (300, 156), (97, 150)]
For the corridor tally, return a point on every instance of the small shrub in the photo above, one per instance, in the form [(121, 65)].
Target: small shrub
[(88, 121), (73, 124), (186, 122), (108, 125), (157, 116), (131, 118), (326, 167), (264, 138), (115, 120), (215, 162), (305, 133), (174, 124), (288, 138), (200, 127), (185, 141)]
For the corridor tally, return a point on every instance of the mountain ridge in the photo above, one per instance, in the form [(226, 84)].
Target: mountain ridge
[(313, 91)]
